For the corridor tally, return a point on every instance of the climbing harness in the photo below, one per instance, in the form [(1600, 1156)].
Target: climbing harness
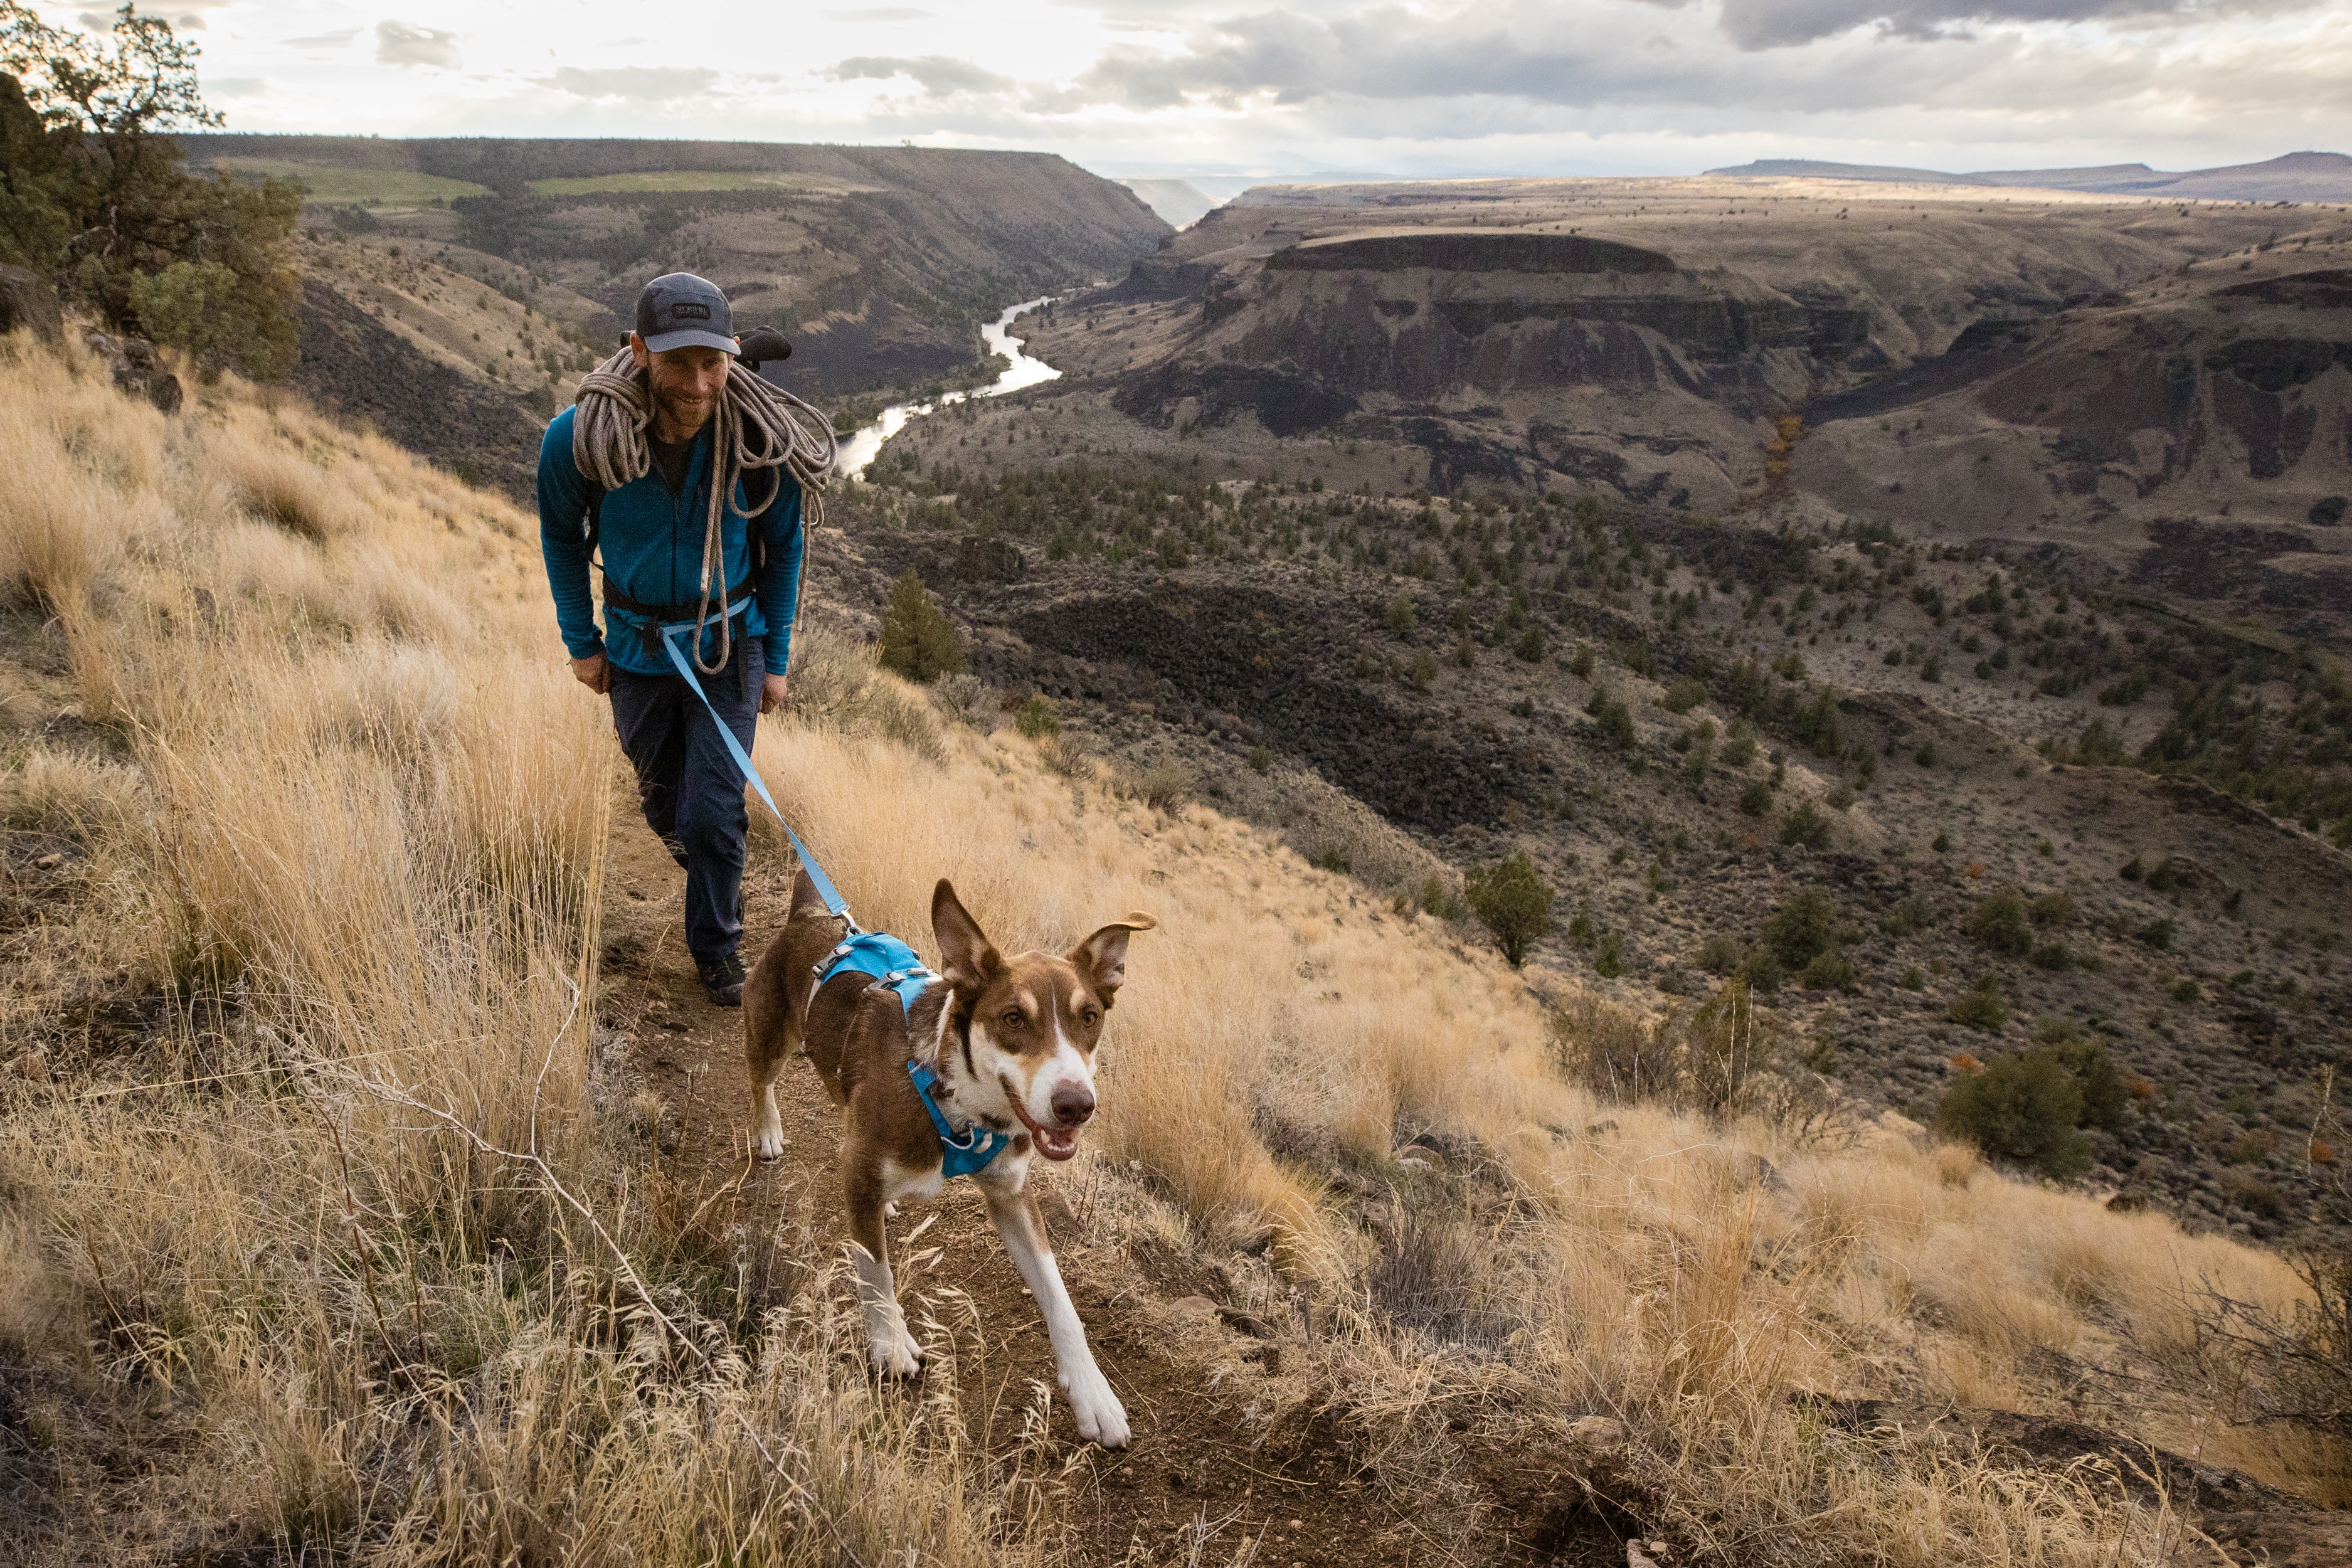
[(894, 965)]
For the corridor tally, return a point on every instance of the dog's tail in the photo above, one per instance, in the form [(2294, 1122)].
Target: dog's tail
[(805, 898)]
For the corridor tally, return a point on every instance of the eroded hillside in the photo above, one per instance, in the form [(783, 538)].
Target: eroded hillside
[(511, 262)]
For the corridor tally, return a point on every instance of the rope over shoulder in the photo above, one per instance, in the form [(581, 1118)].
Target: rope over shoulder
[(755, 427)]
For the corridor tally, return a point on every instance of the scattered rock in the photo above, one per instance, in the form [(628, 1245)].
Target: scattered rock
[(50, 861), (1598, 1128), (1602, 1434), (27, 301), (1249, 1323), (136, 369), (1194, 1313)]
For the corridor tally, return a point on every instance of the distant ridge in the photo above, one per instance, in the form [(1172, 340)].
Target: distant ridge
[(2295, 177)]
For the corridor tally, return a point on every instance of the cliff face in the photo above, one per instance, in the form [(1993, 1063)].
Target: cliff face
[(1424, 333), (2198, 444)]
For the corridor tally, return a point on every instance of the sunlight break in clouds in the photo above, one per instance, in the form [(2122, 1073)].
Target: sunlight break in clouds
[(1501, 85)]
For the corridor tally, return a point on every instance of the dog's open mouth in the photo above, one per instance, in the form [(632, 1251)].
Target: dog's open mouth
[(1054, 1143)]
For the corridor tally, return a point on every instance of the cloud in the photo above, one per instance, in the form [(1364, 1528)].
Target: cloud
[(324, 41), (642, 84), (938, 75), (236, 86), (878, 13), (407, 44), (188, 16), (1771, 24)]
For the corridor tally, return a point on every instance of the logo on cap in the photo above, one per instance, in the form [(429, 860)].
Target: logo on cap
[(688, 311)]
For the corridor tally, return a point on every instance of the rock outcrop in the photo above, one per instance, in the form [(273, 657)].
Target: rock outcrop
[(28, 301)]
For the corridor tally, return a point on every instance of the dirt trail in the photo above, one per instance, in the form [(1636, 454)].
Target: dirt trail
[(1187, 1380)]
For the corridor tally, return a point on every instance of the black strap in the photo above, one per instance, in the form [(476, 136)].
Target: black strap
[(616, 600)]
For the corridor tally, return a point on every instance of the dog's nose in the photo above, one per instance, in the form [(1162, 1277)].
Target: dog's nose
[(1073, 1103)]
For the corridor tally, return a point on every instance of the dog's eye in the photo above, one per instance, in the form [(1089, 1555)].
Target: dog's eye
[(1091, 1017), (1013, 1019)]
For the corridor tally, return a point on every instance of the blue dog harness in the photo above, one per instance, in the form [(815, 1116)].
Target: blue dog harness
[(893, 964)]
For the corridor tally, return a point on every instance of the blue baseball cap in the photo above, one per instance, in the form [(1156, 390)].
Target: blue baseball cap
[(679, 310)]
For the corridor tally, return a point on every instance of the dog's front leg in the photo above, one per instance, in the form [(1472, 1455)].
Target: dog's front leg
[(1101, 1418), (887, 1342)]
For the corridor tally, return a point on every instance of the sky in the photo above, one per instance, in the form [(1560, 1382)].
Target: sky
[(1439, 89)]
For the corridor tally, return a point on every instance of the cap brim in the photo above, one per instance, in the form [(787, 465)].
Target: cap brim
[(690, 340)]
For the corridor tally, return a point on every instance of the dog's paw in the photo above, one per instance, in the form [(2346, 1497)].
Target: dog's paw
[(889, 1211), (1101, 1417), (768, 1143), (897, 1354)]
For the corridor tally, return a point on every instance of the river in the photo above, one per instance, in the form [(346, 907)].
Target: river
[(862, 449)]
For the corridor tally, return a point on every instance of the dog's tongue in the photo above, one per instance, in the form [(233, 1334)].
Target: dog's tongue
[(1056, 1144)]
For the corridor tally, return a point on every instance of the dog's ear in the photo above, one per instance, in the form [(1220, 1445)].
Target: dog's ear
[(1102, 957), (970, 959)]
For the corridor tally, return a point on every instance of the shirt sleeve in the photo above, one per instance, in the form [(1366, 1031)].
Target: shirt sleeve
[(780, 596), (564, 538)]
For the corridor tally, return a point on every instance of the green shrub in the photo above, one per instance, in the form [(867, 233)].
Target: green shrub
[(1530, 646), (1720, 955), (1805, 825), (918, 641), (1756, 798), (1741, 749), (1401, 618), (1762, 972), (1512, 901), (2053, 955), (1617, 725), (2050, 909), (1981, 1006), (1261, 760), (1037, 718), (1581, 930), (1803, 928), (2157, 934), (1829, 971), (1910, 913), (2024, 1107), (1685, 694), (1439, 898), (1609, 962), (2001, 923), (2105, 1097), (1913, 978)]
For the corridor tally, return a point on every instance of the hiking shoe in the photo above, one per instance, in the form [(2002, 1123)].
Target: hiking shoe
[(723, 980)]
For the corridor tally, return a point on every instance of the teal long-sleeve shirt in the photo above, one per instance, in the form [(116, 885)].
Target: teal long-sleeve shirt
[(652, 544)]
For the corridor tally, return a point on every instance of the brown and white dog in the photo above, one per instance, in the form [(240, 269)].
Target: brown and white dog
[(1011, 1043)]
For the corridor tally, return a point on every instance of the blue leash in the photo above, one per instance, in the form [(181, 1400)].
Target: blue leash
[(888, 959), (835, 904)]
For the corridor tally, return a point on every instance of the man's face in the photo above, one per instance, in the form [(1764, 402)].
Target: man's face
[(686, 382)]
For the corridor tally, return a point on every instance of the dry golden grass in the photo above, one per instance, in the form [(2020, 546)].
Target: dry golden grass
[(359, 1223), (351, 1227)]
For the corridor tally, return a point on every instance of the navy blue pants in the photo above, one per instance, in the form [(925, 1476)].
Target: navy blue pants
[(692, 789)]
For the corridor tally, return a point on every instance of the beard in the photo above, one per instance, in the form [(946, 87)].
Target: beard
[(682, 413)]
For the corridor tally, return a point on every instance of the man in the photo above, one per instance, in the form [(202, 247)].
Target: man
[(651, 532)]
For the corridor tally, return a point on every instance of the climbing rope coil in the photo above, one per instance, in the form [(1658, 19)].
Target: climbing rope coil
[(756, 427)]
